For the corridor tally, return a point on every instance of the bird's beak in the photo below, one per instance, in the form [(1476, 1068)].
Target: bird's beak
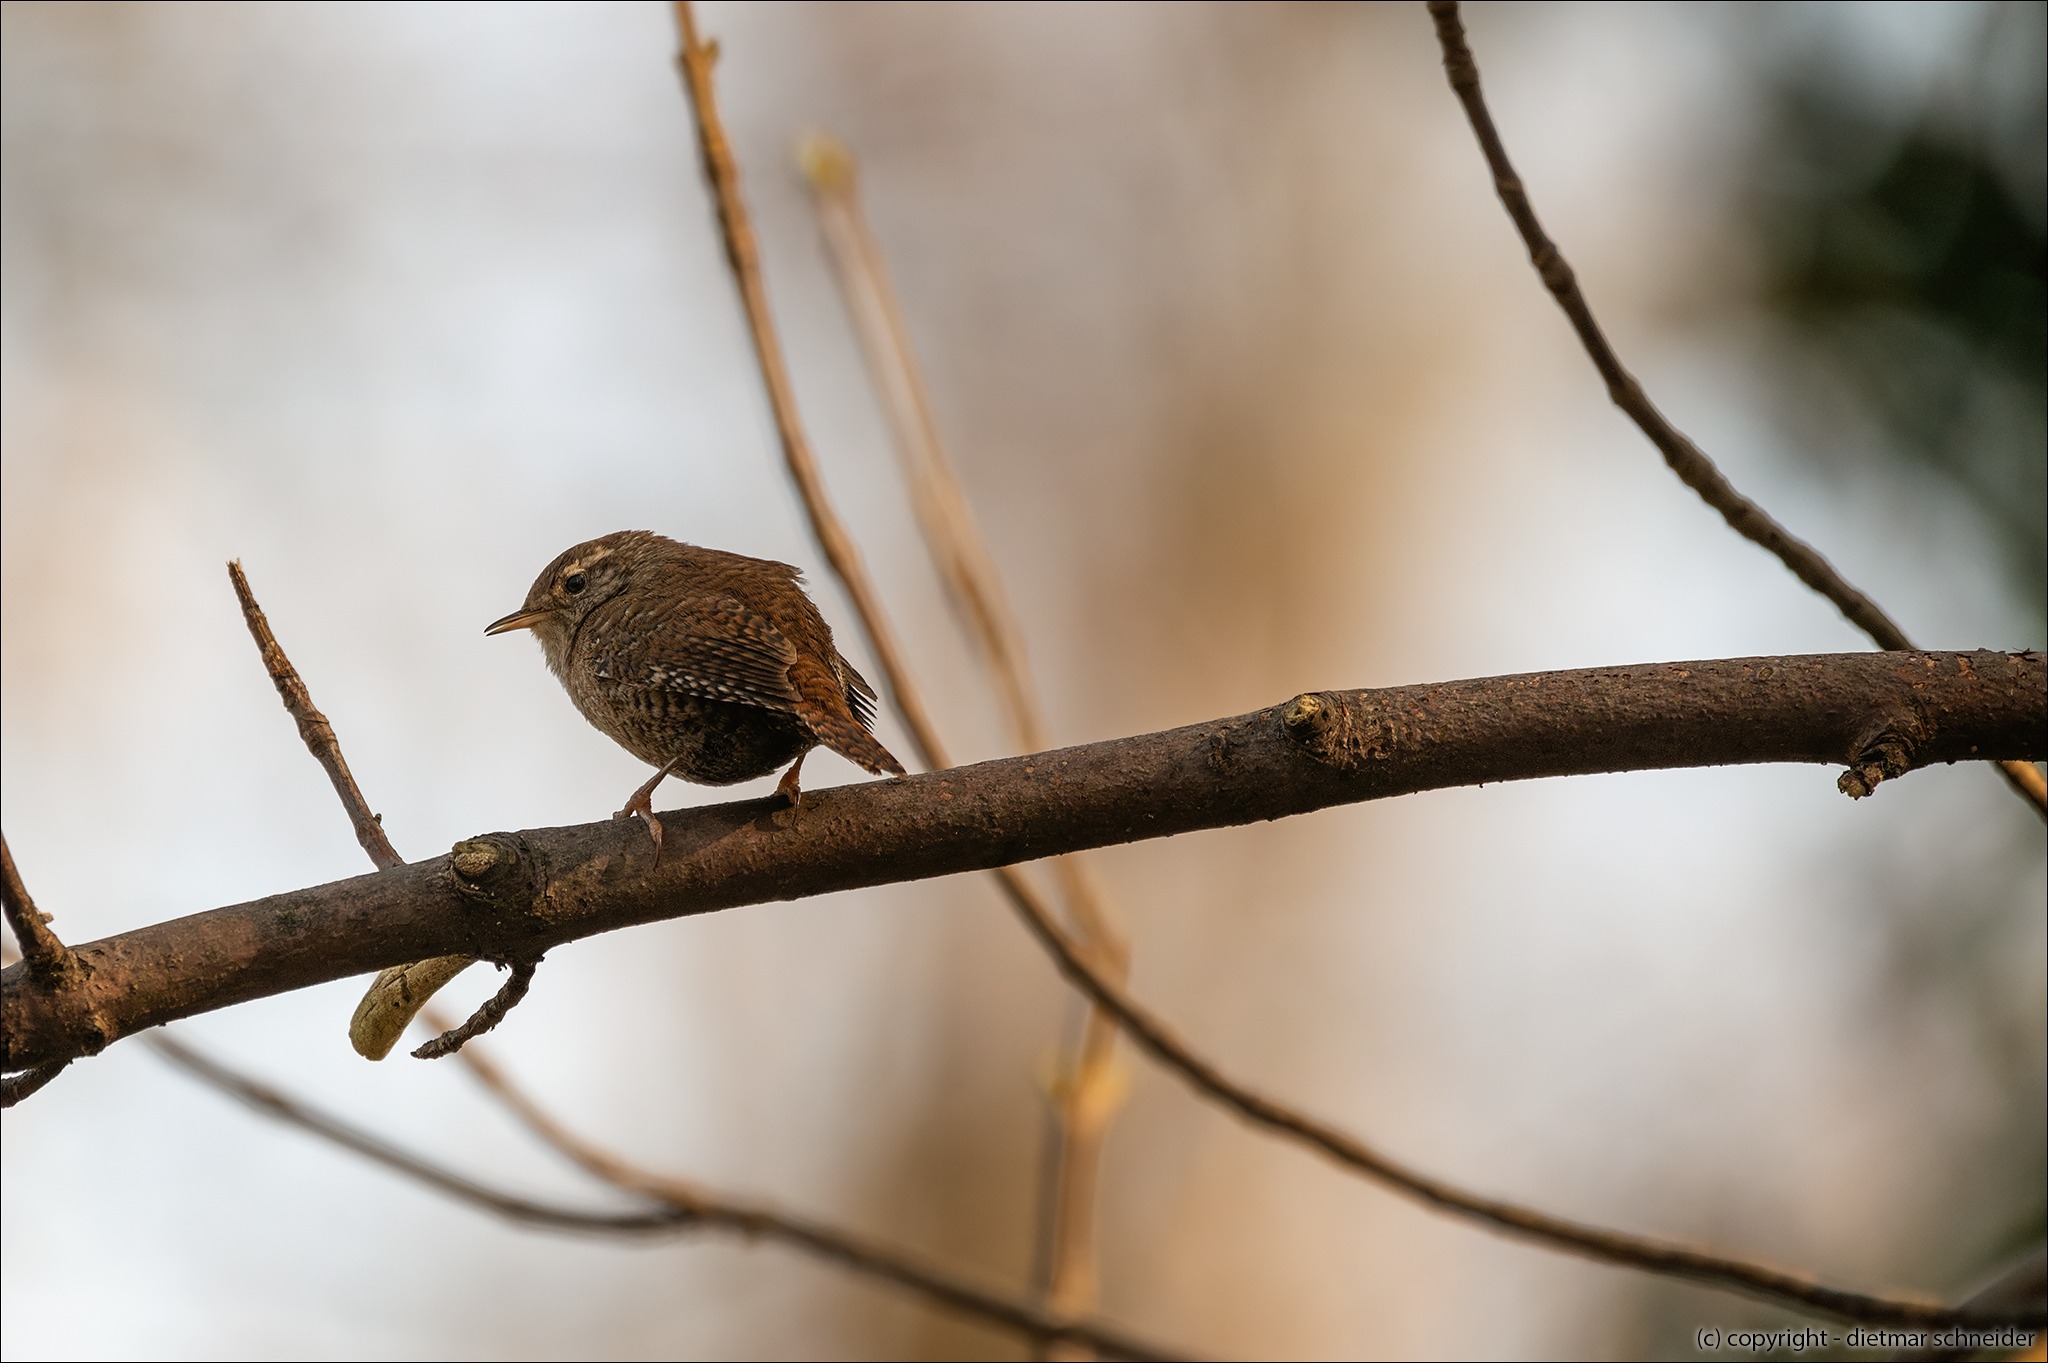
[(516, 620)]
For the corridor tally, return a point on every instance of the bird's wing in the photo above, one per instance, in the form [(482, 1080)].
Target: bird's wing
[(722, 652)]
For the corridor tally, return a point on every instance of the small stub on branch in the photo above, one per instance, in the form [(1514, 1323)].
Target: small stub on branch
[(1303, 715), (1341, 732), (1888, 756), (475, 859), (497, 871)]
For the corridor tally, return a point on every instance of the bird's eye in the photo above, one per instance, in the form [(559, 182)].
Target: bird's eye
[(574, 583)]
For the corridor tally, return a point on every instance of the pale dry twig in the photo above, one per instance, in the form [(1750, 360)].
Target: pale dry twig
[(1086, 1090)]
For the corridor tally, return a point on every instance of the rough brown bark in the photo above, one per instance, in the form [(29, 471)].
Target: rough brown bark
[(508, 896)]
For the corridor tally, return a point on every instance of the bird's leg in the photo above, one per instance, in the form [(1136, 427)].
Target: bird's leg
[(787, 787), (642, 804)]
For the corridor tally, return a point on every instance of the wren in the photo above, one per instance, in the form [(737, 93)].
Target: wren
[(706, 665)]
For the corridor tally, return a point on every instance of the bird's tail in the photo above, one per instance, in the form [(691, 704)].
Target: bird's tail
[(858, 745), (827, 706)]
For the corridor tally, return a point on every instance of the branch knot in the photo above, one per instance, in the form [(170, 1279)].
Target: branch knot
[(500, 872), (1343, 733)]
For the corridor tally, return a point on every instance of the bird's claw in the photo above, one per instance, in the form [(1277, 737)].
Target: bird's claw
[(643, 804), (791, 792)]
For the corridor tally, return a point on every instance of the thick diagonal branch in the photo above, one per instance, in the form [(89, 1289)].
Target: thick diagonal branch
[(511, 895), (1686, 459)]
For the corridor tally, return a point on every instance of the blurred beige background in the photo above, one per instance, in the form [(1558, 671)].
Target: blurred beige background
[(1253, 391)]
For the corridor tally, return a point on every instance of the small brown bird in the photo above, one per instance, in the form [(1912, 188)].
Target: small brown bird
[(706, 665)]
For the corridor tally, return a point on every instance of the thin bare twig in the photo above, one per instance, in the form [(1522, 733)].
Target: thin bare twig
[(45, 953), (860, 1255), (1653, 1255), (696, 60), (314, 729), (453, 1039), (1085, 1094), (1686, 459), (951, 536)]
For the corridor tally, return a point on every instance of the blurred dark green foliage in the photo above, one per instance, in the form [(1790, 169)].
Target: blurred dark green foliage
[(1906, 247)]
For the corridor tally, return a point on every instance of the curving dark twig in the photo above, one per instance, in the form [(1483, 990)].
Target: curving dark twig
[(1686, 459), (1651, 1254), (680, 1207), (487, 1016), (695, 60)]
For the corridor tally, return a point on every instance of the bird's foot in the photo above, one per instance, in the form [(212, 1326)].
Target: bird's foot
[(642, 803), (788, 788)]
